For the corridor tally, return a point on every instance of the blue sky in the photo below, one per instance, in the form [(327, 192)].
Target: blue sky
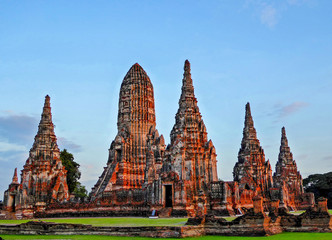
[(277, 55)]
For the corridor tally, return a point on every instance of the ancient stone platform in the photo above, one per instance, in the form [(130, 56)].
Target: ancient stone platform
[(255, 222)]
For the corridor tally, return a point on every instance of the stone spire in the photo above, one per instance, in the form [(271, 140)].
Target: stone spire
[(251, 170), (15, 178), (249, 133), (188, 109), (43, 178), (187, 93), (130, 151), (190, 156), (285, 153), (43, 174), (45, 141), (286, 169)]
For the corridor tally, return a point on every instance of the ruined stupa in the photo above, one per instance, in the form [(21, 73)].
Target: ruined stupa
[(190, 163), (137, 149), (43, 178), (286, 177), (143, 176), (251, 171)]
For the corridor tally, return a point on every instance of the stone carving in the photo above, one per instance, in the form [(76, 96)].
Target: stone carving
[(43, 178)]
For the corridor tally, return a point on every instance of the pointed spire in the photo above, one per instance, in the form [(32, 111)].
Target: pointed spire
[(286, 169), (46, 130), (47, 102), (249, 131), (285, 154), (187, 90), (46, 116), (284, 141), (15, 178), (248, 111), (187, 66), (251, 168), (248, 122)]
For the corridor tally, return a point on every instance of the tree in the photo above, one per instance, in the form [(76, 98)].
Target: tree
[(320, 185), (73, 174), (80, 191)]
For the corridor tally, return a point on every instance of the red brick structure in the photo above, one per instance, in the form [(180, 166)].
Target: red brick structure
[(10, 194), (135, 155), (43, 178), (252, 172), (286, 177), (141, 174), (253, 177), (140, 169), (190, 163)]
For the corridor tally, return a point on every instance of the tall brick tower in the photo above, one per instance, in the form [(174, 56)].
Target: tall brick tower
[(131, 149), (286, 175), (251, 171), (190, 162), (43, 178)]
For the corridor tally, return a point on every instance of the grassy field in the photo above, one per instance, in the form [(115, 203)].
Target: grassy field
[(135, 221), (283, 236), (119, 221)]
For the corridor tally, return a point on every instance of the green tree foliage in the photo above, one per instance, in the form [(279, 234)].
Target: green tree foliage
[(73, 174), (80, 191), (320, 185)]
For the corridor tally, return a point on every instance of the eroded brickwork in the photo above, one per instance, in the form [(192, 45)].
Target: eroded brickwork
[(136, 152), (190, 163), (286, 177), (142, 175), (251, 171), (43, 178)]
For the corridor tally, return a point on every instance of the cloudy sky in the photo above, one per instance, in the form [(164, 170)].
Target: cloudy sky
[(277, 55)]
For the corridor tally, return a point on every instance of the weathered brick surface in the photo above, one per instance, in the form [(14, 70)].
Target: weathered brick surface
[(286, 177), (189, 165), (136, 152), (43, 178), (252, 172), (142, 175)]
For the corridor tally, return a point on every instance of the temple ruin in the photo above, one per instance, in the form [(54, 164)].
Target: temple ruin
[(143, 174), (43, 178)]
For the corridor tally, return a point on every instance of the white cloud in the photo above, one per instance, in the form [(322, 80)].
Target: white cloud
[(270, 12), (269, 16), (6, 147), (292, 108), (281, 111), (18, 128)]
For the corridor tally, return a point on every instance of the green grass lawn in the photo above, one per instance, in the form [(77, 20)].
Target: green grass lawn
[(283, 236), (119, 221)]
